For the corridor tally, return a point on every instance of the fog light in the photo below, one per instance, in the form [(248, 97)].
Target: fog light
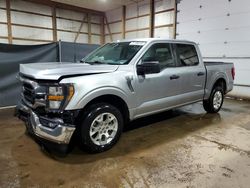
[(51, 125)]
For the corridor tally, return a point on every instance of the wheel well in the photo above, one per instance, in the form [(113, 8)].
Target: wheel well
[(114, 100), (221, 82)]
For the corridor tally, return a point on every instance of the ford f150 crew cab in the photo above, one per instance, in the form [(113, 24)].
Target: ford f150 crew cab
[(117, 83)]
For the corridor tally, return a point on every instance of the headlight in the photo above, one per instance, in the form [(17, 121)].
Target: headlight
[(59, 96)]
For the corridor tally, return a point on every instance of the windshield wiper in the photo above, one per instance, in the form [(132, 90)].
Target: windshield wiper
[(84, 62), (95, 62)]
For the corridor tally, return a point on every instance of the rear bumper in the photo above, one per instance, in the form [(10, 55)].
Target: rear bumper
[(53, 130)]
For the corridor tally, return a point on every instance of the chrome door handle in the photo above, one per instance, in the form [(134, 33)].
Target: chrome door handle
[(200, 73), (174, 77)]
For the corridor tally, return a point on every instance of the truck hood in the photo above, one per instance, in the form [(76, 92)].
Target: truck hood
[(55, 70)]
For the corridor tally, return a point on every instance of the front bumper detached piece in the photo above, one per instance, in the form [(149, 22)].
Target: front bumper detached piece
[(53, 130)]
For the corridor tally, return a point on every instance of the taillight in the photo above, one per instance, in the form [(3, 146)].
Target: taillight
[(233, 72)]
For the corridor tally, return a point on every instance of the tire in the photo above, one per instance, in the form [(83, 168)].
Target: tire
[(215, 101), (101, 127)]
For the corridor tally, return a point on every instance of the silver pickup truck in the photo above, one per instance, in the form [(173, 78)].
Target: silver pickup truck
[(117, 83)]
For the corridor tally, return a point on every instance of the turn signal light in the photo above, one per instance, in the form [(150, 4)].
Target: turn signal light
[(55, 98), (233, 72)]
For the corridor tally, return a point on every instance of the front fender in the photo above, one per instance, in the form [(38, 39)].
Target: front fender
[(81, 101)]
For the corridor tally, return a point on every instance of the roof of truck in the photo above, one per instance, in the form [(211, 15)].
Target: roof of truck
[(155, 39)]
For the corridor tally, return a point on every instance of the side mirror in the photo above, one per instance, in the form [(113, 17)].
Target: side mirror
[(150, 67)]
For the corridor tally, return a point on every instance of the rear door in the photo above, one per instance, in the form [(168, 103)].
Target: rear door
[(192, 73)]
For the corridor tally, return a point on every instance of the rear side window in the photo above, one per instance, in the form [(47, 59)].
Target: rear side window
[(187, 55)]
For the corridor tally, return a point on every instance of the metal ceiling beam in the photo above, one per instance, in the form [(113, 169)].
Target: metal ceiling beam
[(123, 21), (9, 21), (151, 18)]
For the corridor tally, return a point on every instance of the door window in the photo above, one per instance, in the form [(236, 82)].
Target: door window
[(187, 55), (160, 53)]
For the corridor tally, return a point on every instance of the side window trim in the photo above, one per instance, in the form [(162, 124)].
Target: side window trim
[(174, 54)]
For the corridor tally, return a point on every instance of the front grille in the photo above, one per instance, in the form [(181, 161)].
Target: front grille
[(29, 93), (33, 94)]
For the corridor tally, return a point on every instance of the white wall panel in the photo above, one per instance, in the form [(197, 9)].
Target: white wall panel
[(3, 30), (95, 39), (143, 34), (143, 22), (164, 32), (95, 19), (137, 23), (221, 30), (164, 18), (239, 6), (138, 9), (131, 10), (115, 37), (188, 4), (131, 24), (219, 23), (95, 28), (69, 14), (164, 5), (66, 36), (131, 35), (188, 15), (68, 25), (82, 38), (218, 34), (32, 7), (84, 28), (115, 27), (4, 41), (143, 7), (3, 17), (33, 20), (135, 9), (24, 42), (137, 34), (240, 92), (225, 50), (2, 4), (31, 33), (114, 15), (107, 39)]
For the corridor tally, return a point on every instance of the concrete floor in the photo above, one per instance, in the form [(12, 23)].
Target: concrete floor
[(181, 148)]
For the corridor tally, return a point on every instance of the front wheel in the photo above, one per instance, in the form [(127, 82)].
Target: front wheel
[(215, 101), (101, 127)]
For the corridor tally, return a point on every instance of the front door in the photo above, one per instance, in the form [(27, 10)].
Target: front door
[(156, 92)]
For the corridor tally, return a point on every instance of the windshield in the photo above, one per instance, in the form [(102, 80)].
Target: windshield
[(119, 53)]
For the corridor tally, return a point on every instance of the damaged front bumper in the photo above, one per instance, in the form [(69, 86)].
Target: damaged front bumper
[(53, 130)]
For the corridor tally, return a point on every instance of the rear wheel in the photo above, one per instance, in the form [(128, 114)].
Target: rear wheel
[(101, 127), (215, 101)]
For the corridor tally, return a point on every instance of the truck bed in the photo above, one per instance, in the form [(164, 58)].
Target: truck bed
[(213, 69)]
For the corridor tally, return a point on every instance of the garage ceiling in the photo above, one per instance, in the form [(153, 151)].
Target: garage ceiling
[(100, 5)]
